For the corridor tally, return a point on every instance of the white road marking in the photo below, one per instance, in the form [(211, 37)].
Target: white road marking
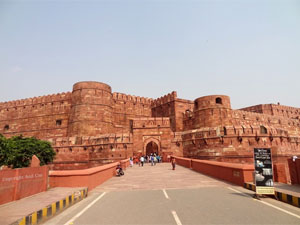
[(238, 191), (166, 195), (268, 204), (278, 208), (86, 208), (177, 220)]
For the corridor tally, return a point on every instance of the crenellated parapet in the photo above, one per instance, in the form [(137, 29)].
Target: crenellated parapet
[(275, 109), (165, 99), (131, 98), (245, 117), (54, 98)]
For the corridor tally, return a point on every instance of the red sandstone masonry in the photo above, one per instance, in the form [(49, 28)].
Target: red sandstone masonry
[(231, 172), (20, 183), (206, 128), (84, 178)]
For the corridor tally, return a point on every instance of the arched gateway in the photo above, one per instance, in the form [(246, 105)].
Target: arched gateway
[(151, 145)]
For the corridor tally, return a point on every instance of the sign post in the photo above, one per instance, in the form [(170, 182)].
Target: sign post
[(263, 176)]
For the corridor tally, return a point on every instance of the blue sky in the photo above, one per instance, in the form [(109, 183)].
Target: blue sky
[(248, 50)]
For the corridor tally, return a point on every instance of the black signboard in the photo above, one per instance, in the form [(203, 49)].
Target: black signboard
[(263, 171)]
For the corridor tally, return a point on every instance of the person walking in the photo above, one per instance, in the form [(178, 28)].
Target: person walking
[(131, 162), (152, 160), (173, 162), (155, 160), (142, 159)]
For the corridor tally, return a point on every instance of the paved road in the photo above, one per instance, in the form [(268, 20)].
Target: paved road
[(158, 195)]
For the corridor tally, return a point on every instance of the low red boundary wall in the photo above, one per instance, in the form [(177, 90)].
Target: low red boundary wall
[(231, 172), (20, 183), (90, 178)]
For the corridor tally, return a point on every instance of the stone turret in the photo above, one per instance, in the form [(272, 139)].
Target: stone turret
[(212, 111), (91, 109)]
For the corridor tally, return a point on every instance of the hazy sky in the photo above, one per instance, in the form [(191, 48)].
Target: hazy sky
[(249, 50)]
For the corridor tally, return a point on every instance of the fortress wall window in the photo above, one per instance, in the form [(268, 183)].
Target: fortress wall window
[(263, 130), (225, 130), (6, 127), (219, 101), (58, 122)]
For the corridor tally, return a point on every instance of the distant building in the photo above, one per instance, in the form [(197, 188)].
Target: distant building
[(91, 126)]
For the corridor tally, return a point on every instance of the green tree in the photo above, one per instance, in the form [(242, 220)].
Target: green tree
[(18, 151)]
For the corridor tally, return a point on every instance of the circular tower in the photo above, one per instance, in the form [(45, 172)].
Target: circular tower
[(91, 109), (212, 111)]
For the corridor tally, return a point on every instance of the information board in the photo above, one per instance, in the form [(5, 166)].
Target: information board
[(263, 171)]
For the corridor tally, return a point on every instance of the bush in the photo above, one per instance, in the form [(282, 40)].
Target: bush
[(18, 151)]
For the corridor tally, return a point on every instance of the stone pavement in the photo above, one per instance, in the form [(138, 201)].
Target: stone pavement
[(160, 176), (14, 212)]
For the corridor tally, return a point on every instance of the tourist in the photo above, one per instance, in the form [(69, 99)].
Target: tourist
[(131, 161), (158, 158), (173, 162), (152, 160), (119, 171), (142, 159), (155, 159)]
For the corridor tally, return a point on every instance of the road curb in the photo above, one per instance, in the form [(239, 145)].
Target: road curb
[(287, 198), (52, 209)]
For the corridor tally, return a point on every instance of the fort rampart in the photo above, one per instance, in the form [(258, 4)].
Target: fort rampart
[(92, 126)]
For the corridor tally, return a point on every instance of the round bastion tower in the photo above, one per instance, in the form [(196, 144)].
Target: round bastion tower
[(212, 111), (91, 109)]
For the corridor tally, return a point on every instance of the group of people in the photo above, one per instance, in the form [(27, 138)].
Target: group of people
[(152, 158)]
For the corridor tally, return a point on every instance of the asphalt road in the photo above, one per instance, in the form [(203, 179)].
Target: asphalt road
[(220, 203)]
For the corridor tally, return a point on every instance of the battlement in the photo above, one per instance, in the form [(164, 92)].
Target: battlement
[(283, 107), (274, 109), (236, 131), (131, 98), (252, 116), (37, 100), (165, 99)]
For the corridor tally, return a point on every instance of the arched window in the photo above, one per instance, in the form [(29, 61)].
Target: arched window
[(263, 130), (225, 130), (218, 100)]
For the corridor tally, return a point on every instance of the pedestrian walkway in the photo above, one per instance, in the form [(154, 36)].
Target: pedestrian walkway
[(40, 206), (160, 176)]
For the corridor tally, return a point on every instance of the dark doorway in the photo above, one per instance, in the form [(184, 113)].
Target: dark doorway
[(151, 148)]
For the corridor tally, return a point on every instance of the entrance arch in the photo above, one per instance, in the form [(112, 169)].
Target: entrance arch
[(151, 145), (151, 148)]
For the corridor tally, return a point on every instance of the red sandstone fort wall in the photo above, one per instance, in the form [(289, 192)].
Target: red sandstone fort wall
[(86, 152), (93, 126), (158, 130), (276, 110), (42, 117), (172, 107), (127, 108)]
